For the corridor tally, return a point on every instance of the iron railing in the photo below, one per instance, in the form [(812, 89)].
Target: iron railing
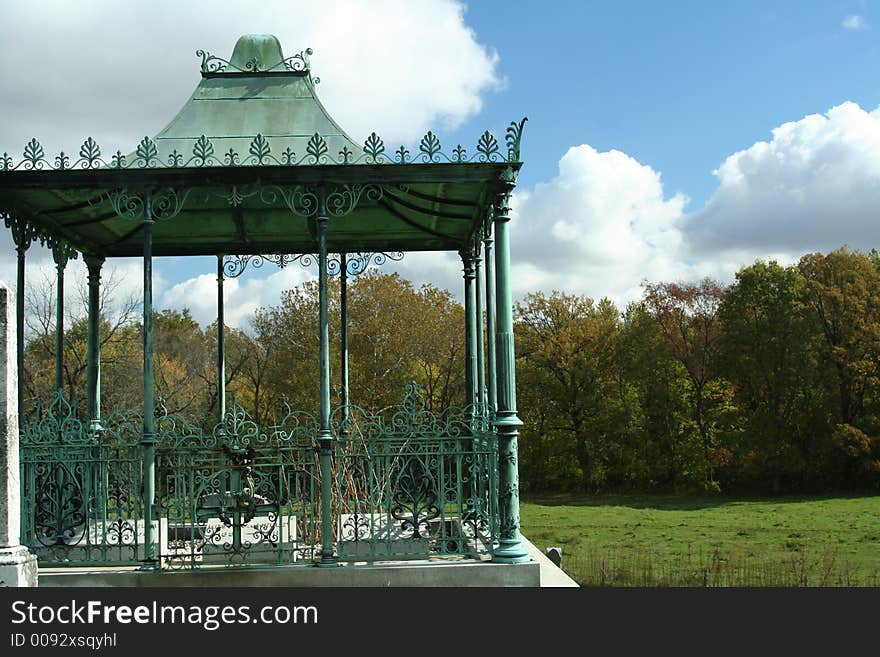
[(407, 483)]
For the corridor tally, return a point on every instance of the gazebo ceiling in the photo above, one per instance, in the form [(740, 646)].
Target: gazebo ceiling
[(240, 168)]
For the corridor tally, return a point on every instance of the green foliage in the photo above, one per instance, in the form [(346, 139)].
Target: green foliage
[(397, 334), (570, 386), (770, 385)]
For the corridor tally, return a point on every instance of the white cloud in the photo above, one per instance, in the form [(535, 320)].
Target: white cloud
[(854, 22), (123, 276), (118, 71), (600, 227), (605, 222), (814, 186), (73, 70), (242, 296)]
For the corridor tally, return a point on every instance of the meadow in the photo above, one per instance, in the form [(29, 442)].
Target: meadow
[(692, 541)]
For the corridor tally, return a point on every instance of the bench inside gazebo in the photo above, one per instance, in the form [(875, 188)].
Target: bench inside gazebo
[(254, 169)]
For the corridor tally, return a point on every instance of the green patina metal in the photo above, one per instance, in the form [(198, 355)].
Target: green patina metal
[(506, 421), (221, 342), (93, 355), (254, 169), (148, 441), (490, 316)]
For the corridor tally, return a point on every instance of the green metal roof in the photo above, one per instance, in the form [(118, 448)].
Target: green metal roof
[(237, 172), (254, 94)]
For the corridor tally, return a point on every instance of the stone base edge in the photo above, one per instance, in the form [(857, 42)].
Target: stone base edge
[(18, 567)]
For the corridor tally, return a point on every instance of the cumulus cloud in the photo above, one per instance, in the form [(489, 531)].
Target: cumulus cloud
[(119, 71), (122, 277), (605, 222), (854, 22), (600, 227), (242, 296), (814, 186)]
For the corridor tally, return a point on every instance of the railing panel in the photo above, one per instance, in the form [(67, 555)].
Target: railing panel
[(408, 484), (413, 484), (80, 491)]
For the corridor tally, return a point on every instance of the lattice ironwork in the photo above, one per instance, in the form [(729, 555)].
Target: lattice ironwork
[(409, 482), (414, 483), (263, 151)]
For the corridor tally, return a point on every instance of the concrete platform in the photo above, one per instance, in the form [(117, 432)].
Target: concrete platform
[(551, 574), (446, 573)]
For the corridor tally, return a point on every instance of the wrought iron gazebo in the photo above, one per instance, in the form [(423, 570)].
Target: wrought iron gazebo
[(254, 169)]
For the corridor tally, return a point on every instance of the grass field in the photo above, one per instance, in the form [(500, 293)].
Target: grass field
[(674, 541)]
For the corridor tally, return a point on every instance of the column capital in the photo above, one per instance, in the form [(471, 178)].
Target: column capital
[(322, 204), (502, 207), (23, 233), (94, 264), (506, 181), (468, 260), (488, 235), (148, 208), (62, 252)]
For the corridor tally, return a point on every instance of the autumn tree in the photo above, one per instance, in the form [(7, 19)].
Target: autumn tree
[(566, 346), (769, 352), (667, 451), (687, 314), (118, 340), (843, 293), (397, 334)]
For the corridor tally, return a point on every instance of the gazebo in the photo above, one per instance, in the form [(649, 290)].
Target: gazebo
[(254, 169)]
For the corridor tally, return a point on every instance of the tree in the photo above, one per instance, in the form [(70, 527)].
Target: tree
[(769, 351), (397, 334), (687, 314), (843, 292), (667, 447), (119, 343), (566, 350)]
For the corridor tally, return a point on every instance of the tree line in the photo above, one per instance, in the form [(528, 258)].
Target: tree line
[(768, 385)]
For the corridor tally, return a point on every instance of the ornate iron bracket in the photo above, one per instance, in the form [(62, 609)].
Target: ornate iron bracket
[(166, 203), (213, 64), (23, 233)]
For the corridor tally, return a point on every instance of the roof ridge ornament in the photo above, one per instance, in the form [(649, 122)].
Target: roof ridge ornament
[(514, 138), (264, 151), (299, 63)]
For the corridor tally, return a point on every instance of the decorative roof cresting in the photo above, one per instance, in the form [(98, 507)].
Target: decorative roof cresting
[(255, 53), (261, 109)]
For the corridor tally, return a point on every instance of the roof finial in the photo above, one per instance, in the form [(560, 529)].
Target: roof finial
[(255, 53)]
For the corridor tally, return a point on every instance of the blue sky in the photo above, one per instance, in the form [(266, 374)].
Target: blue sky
[(677, 85), (666, 140)]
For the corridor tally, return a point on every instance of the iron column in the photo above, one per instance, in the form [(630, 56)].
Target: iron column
[(325, 436), (22, 235), (148, 442), (343, 359), (93, 358), (93, 384), (510, 549), (221, 345), (470, 329), (490, 318), (480, 399), (59, 255)]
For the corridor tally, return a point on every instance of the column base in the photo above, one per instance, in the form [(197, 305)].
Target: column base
[(18, 567), (327, 562), (511, 552), (149, 566)]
